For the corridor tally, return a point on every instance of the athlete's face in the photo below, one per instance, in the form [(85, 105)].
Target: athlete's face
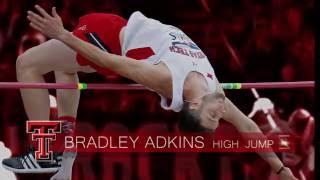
[(211, 111)]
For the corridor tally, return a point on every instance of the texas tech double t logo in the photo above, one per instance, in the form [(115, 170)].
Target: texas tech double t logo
[(44, 132)]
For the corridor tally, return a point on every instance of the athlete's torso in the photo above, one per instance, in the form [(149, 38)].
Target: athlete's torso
[(168, 45)]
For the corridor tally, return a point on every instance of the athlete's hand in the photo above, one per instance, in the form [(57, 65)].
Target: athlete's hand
[(286, 174), (49, 25)]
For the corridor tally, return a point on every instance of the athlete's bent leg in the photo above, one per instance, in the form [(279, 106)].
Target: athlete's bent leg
[(67, 99), (67, 103), (35, 101), (31, 66)]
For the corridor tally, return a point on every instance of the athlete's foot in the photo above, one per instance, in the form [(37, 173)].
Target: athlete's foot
[(27, 164), (62, 174), (65, 172)]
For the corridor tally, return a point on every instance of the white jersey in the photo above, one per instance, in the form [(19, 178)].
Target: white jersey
[(172, 47)]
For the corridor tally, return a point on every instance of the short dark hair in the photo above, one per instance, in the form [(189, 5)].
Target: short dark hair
[(190, 120)]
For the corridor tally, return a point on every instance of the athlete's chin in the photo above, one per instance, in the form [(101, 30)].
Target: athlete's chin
[(214, 126), (211, 128)]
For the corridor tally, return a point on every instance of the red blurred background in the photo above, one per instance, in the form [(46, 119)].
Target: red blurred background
[(245, 40)]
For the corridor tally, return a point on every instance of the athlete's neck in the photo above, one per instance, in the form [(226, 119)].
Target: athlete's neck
[(195, 86)]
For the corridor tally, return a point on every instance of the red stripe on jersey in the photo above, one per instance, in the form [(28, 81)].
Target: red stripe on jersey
[(140, 53)]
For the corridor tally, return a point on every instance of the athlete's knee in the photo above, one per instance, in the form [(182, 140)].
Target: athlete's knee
[(23, 64), (66, 76)]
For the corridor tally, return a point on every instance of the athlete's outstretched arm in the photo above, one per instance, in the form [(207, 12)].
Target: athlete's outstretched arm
[(246, 125), (138, 71)]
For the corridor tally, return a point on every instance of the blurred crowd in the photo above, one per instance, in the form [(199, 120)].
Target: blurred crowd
[(245, 40)]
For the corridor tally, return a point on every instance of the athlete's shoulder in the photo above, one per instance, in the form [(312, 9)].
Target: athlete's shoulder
[(137, 15)]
